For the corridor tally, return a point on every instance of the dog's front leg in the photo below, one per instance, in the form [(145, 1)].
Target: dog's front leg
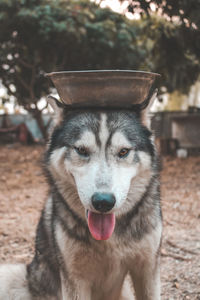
[(146, 279), (79, 290)]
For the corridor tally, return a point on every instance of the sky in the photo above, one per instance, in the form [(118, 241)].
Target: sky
[(118, 7)]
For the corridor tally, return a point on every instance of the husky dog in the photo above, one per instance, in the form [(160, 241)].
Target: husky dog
[(102, 220)]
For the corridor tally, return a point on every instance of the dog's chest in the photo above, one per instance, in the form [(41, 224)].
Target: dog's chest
[(98, 262), (101, 268)]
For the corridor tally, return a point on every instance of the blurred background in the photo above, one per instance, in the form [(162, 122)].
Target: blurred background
[(163, 36), (41, 36)]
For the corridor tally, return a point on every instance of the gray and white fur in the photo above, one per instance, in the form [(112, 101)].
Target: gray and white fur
[(69, 264)]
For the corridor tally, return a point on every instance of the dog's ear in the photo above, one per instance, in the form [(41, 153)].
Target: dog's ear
[(145, 108), (57, 107)]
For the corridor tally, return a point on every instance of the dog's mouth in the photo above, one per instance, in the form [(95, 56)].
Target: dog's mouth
[(101, 226)]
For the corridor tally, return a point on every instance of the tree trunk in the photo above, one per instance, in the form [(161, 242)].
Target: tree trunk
[(37, 114)]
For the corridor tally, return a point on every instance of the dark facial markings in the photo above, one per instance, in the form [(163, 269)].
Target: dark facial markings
[(75, 123), (129, 124), (72, 127), (136, 158)]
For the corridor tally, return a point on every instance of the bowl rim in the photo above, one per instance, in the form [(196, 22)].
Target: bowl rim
[(102, 73)]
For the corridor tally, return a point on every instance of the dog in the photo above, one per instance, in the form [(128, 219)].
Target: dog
[(99, 234)]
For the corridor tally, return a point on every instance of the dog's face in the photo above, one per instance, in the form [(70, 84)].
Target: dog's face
[(106, 156)]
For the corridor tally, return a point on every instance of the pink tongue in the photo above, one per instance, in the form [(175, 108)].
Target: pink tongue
[(101, 226)]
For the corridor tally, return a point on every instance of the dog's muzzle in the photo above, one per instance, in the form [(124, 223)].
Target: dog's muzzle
[(103, 202), (102, 222)]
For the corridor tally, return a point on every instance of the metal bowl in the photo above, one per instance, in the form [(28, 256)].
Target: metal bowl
[(103, 88)]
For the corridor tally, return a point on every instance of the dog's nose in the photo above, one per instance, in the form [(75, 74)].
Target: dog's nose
[(103, 202)]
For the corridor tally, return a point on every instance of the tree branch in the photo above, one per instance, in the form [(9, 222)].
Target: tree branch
[(24, 63), (25, 85), (178, 257), (32, 83), (181, 248)]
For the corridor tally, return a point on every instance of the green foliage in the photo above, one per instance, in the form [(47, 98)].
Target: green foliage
[(43, 36), (39, 36), (169, 53), (172, 34), (186, 12)]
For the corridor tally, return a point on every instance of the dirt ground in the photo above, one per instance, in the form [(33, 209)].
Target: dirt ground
[(23, 192)]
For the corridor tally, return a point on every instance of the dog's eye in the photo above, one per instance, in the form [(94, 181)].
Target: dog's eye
[(82, 151), (123, 152)]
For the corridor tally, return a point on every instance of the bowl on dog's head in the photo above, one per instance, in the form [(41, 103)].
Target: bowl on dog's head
[(103, 87)]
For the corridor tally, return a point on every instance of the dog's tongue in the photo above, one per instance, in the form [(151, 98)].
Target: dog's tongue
[(101, 226)]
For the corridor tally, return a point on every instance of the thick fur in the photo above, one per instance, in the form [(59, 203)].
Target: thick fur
[(69, 264)]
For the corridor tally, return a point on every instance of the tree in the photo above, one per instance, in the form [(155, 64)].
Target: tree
[(169, 54), (184, 11), (172, 31), (39, 36)]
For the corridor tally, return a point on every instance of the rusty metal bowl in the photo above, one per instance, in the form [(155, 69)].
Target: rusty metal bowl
[(104, 88)]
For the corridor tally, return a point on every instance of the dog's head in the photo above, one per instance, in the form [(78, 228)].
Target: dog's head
[(107, 157)]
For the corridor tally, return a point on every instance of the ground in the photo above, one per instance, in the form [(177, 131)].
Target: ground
[(23, 192)]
